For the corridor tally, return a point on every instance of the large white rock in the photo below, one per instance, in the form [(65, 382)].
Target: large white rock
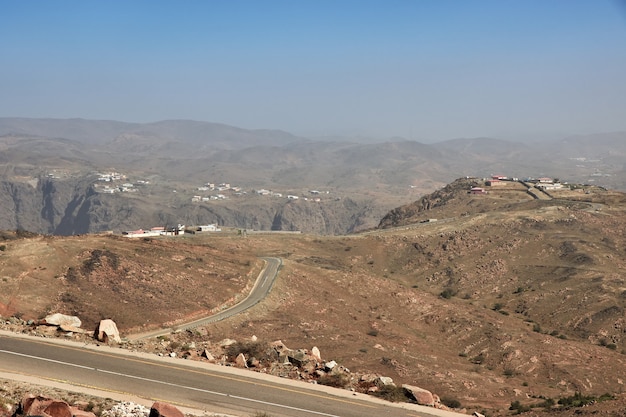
[(58, 319), (107, 331)]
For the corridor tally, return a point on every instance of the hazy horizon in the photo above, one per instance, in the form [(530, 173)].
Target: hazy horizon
[(421, 70)]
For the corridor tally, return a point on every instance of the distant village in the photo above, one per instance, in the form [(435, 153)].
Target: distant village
[(115, 182), (207, 192)]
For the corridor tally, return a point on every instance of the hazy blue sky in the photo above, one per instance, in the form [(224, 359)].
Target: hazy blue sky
[(428, 70)]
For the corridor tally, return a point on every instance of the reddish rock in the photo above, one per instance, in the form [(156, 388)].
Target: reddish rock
[(57, 408), (420, 395), (161, 409), (77, 412), (47, 407)]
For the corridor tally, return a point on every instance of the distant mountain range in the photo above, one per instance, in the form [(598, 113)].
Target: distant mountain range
[(364, 180)]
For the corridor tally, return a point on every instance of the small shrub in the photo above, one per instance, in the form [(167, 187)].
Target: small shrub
[(373, 332), (334, 380), (519, 407), (250, 349), (447, 293), (537, 328), (479, 359), (509, 372), (580, 400), (392, 393), (497, 306), (3, 248), (547, 403), (450, 402)]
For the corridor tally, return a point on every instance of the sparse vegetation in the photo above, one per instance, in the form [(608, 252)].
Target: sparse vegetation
[(519, 407), (337, 380), (580, 400), (392, 393), (447, 293), (450, 402), (251, 349)]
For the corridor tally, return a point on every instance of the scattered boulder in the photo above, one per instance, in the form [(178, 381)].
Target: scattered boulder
[(420, 395), (48, 407), (382, 381), (279, 346), (58, 319), (315, 352), (328, 366), (227, 342), (297, 357), (161, 409), (240, 361), (107, 331), (207, 355)]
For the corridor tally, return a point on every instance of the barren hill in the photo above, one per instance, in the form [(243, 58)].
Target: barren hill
[(504, 298)]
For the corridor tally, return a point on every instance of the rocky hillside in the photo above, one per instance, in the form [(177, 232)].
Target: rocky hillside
[(504, 298)]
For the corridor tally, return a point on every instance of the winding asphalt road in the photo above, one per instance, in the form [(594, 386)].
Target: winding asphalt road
[(261, 289)]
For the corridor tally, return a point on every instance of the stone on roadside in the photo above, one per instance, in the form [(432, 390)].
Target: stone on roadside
[(58, 319), (420, 395), (107, 331), (161, 409)]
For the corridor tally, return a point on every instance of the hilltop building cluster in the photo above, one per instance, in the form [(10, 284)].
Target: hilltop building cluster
[(499, 181)]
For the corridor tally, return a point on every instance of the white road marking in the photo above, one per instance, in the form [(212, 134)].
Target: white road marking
[(169, 383)]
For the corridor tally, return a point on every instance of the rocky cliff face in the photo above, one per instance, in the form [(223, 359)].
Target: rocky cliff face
[(72, 206), (46, 206)]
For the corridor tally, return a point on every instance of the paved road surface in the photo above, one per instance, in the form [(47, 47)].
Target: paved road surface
[(188, 384)]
